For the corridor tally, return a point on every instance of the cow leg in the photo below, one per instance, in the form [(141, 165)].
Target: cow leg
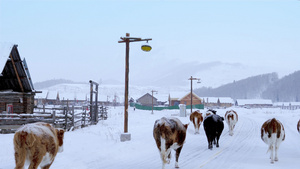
[(178, 150), (195, 122), (20, 158), (47, 166), (35, 159), (231, 130), (272, 151), (276, 149), (217, 138), (210, 143)]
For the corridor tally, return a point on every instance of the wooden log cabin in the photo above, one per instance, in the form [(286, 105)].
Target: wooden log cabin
[(16, 88)]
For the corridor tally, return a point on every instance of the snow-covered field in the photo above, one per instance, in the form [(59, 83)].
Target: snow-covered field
[(99, 146)]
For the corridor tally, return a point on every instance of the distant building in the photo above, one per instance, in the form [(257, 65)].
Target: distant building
[(253, 103), (186, 99), (16, 89), (218, 102), (146, 100), (287, 105)]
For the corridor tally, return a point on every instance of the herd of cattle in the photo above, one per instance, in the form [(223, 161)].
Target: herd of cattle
[(169, 133), (38, 143)]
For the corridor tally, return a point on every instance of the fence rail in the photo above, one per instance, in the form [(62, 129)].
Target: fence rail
[(68, 118)]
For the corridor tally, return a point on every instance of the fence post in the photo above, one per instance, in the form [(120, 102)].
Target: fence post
[(66, 117), (84, 116), (73, 116)]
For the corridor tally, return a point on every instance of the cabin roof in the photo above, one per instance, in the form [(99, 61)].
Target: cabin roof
[(14, 73)]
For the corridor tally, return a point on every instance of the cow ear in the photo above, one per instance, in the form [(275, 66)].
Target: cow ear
[(186, 125)]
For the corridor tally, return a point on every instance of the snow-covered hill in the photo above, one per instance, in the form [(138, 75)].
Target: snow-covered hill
[(108, 92), (99, 146)]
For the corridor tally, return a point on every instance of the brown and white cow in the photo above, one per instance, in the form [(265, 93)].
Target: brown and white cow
[(38, 144), (231, 118), (298, 126), (197, 118), (169, 133), (272, 133)]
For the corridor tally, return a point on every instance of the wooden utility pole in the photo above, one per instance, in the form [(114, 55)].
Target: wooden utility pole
[(127, 40), (152, 99), (191, 79)]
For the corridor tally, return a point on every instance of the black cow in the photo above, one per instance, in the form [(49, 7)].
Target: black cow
[(213, 126)]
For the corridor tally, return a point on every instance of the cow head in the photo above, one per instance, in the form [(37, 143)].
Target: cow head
[(60, 138)]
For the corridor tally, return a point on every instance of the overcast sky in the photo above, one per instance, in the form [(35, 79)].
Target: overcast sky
[(78, 39)]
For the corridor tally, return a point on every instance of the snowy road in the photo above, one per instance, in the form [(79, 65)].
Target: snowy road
[(99, 146)]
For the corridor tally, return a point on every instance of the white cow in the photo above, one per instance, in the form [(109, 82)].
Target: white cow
[(231, 118), (272, 133)]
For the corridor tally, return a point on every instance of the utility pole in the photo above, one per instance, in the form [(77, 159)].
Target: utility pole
[(127, 40), (191, 79), (152, 99)]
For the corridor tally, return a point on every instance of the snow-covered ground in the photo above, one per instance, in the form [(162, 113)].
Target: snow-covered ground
[(99, 146)]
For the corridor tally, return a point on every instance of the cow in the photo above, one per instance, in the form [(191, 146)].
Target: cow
[(231, 118), (169, 133), (298, 126), (272, 133), (38, 144), (197, 118), (213, 127)]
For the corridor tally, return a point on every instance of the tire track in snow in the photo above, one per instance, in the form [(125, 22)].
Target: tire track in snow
[(245, 129)]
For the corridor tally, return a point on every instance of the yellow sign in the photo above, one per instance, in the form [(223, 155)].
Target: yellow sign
[(146, 48)]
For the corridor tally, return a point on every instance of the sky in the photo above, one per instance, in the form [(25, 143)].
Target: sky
[(78, 40)]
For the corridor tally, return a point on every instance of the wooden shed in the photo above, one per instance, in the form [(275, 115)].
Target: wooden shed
[(16, 88), (146, 100)]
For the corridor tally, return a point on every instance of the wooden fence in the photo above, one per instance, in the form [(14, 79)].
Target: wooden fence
[(68, 118)]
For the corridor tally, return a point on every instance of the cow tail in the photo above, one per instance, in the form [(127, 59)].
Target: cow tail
[(18, 139)]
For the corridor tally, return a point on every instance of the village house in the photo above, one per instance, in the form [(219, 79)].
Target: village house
[(16, 88), (218, 102), (185, 99), (253, 103), (146, 100)]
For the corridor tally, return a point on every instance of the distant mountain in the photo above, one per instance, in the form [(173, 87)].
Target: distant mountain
[(285, 89), (248, 88), (212, 74), (49, 83)]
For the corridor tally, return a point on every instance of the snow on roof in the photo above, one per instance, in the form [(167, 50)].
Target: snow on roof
[(5, 49), (241, 102)]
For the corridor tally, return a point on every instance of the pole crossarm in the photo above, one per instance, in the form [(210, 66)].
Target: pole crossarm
[(193, 78), (132, 39)]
